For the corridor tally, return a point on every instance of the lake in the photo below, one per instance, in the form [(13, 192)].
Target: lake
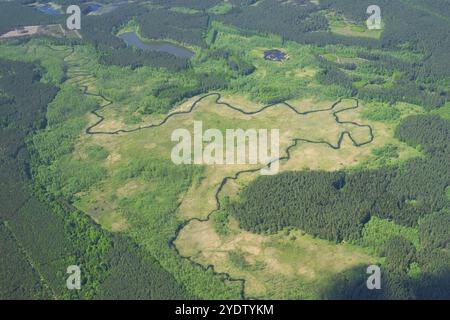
[(132, 40)]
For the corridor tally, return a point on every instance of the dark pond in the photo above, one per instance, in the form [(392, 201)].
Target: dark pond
[(132, 40), (275, 55), (48, 10)]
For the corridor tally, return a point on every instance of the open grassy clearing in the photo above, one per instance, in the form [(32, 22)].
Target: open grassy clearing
[(199, 200), (113, 202), (275, 266), (321, 126)]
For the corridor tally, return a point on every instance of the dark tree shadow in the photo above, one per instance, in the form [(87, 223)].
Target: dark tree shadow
[(351, 285)]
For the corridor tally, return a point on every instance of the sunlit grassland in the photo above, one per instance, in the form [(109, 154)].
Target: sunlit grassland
[(199, 201), (287, 265), (307, 156), (144, 189), (320, 126)]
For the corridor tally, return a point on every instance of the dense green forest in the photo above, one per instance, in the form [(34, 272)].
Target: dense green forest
[(289, 19), (300, 20), (20, 114), (166, 24), (337, 206), (41, 235)]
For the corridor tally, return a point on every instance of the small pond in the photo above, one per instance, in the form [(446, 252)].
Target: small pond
[(275, 55)]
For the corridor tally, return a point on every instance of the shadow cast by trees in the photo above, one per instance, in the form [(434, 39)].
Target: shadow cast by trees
[(351, 285)]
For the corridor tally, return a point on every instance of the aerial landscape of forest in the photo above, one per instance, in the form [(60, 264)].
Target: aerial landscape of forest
[(225, 150)]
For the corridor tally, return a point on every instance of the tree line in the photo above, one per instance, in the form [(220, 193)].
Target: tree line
[(167, 24), (289, 20)]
